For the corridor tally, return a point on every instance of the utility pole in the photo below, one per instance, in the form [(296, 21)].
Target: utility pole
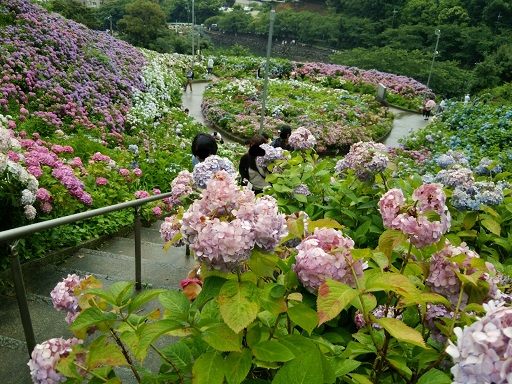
[(438, 34), (111, 30), (193, 37)]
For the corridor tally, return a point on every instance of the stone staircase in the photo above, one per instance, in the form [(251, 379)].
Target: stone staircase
[(111, 262)]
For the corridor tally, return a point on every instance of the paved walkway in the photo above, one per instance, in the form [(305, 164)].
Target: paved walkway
[(404, 123)]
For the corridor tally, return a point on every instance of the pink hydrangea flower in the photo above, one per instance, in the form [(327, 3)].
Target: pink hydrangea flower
[(413, 220), (45, 357), (443, 278), (157, 211), (227, 222), (124, 172), (365, 158), (141, 194), (101, 181), (326, 255), (137, 172)]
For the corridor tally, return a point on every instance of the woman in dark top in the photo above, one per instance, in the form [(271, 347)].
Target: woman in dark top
[(249, 170), (282, 141), (203, 146)]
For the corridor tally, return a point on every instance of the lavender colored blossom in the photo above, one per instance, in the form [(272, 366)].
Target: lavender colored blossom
[(484, 167), (379, 313), (470, 197), (169, 229), (45, 357), (443, 278), (445, 161), (271, 154), (455, 176), (62, 295), (302, 189), (210, 166), (365, 158), (483, 351), (326, 255), (435, 314), (302, 139)]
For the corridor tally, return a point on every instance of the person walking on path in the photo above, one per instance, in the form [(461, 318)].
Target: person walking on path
[(190, 77), (251, 173), (210, 66), (429, 106)]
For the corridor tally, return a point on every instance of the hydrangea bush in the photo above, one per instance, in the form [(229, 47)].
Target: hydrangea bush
[(334, 118), (303, 297)]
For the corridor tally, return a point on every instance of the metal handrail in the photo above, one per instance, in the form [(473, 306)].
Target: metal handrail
[(13, 235)]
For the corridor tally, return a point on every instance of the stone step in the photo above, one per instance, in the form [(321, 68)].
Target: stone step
[(114, 261), (157, 274)]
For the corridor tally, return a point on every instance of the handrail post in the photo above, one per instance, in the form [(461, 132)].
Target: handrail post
[(21, 296), (138, 249)]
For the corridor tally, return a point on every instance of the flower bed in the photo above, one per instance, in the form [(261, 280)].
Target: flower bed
[(336, 118)]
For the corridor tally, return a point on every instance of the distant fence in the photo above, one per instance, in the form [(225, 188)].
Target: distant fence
[(288, 49)]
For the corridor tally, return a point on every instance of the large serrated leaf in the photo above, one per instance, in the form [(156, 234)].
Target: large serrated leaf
[(303, 316), (175, 302), (239, 304), (389, 240), (179, 354), (272, 350), (492, 226), (91, 317), (208, 369), (305, 369), (401, 331), (333, 297), (143, 297), (324, 223), (262, 264), (239, 365), (149, 332), (395, 282), (222, 338), (434, 376)]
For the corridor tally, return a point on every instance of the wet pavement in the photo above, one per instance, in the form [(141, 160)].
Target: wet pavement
[(405, 122)]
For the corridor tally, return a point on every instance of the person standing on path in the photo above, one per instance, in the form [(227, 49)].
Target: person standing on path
[(190, 77), (210, 66), (251, 173), (429, 106)]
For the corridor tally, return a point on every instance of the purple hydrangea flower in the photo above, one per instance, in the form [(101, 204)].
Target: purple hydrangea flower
[(302, 139), (483, 351), (45, 357), (365, 158), (209, 167)]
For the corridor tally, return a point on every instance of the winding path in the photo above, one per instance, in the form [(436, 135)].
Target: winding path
[(404, 123)]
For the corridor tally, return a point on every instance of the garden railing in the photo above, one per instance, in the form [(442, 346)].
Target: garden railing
[(12, 236)]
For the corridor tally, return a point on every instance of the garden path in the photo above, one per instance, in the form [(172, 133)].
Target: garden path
[(404, 123)]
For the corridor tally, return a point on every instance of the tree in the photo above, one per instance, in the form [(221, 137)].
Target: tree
[(73, 10), (236, 21), (114, 9), (143, 23)]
